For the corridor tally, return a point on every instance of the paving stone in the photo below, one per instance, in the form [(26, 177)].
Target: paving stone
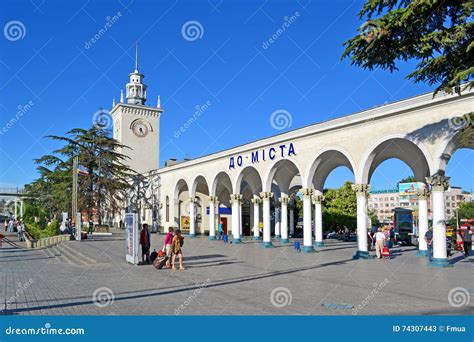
[(230, 280)]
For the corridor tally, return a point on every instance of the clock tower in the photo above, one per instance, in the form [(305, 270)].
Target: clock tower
[(137, 125)]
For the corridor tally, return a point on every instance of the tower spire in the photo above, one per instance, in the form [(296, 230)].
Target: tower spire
[(136, 57)]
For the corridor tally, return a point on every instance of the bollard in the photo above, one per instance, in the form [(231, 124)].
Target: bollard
[(297, 246)]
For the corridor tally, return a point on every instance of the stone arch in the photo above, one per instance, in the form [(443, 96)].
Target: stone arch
[(179, 205), (181, 184), (284, 180), (448, 149), (324, 163), (200, 184), (252, 177), (221, 180), (415, 155)]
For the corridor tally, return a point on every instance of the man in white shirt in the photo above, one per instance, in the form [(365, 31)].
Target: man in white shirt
[(379, 242)]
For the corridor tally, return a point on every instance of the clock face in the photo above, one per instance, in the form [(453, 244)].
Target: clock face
[(140, 128)]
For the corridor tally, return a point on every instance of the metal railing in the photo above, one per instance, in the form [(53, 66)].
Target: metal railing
[(12, 191)]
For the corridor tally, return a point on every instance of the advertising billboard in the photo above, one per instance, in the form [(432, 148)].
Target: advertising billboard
[(407, 192)]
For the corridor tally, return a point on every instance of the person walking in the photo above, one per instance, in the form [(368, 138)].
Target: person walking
[(379, 242), (145, 242), (467, 242), (220, 230), (21, 229), (167, 246), (177, 249), (10, 226), (372, 233), (429, 241)]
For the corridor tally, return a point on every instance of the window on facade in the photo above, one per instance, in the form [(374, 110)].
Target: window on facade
[(167, 209)]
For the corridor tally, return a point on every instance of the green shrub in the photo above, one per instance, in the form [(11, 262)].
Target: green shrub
[(36, 230)]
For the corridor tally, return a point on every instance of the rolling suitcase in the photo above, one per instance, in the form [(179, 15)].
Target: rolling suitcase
[(160, 262), (385, 252)]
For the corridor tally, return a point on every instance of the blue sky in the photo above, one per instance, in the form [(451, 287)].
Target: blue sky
[(67, 78)]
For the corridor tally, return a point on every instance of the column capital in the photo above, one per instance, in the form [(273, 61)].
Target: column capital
[(284, 200), (256, 200), (438, 182), (266, 195), (236, 198), (193, 200), (318, 199), (423, 193), (213, 199), (307, 192), (361, 189)]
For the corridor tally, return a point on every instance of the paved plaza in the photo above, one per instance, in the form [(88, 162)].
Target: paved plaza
[(228, 280)]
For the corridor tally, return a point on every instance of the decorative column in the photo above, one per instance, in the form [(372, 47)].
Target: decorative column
[(362, 193), (307, 229), (256, 218), (422, 221), (318, 220), (212, 217), (439, 184), (292, 219), (16, 209), (276, 216), (192, 217), (236, 200), (267, 234), (284, 219)]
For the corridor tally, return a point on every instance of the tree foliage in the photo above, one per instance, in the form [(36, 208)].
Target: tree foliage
[(436, 33), (466, 210), (340, 208), (409, 179), (105, 185)]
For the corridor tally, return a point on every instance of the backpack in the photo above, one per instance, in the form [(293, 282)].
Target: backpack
[(181, 241), (153, 255)]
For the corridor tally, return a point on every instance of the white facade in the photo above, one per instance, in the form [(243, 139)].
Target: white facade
[(418, 131)]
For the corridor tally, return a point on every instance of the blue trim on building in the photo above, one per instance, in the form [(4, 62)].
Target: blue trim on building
[(192, 236), (267, 245), (212, 238), (362, 255), (236, 241), (440, 262), (285, 241), (319, 244), (308, 249), (422, 253), (256, 238)]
